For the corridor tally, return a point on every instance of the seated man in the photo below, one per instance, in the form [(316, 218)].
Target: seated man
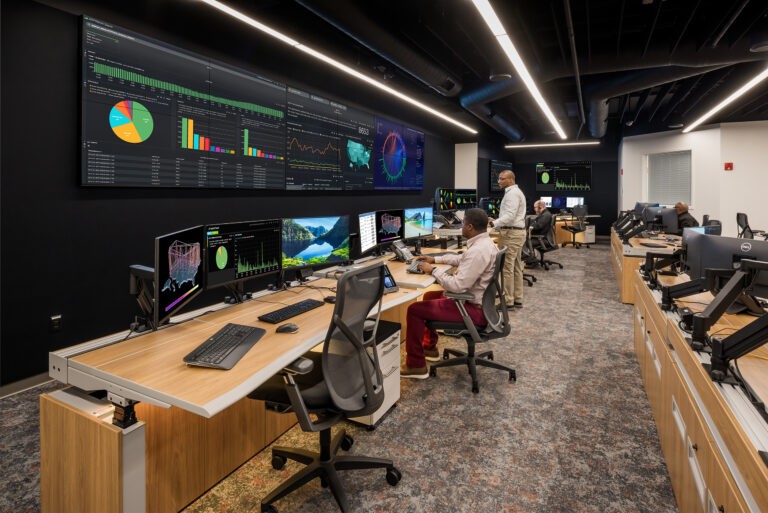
[(473, 274), (684, 218), (541, 224)]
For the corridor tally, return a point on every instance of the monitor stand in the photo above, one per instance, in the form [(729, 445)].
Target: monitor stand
[(417, 247)]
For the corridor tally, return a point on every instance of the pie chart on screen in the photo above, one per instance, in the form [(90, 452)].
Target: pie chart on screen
[(131, 121)]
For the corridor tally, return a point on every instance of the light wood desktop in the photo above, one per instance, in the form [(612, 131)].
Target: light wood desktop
[(195, 424), (710, 435), (627, 257)]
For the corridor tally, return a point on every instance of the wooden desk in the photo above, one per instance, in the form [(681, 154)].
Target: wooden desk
[(195, 424), (626, 259), (709, 436)]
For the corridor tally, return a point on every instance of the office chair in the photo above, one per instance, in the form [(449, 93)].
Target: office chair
[(343, 381), (578, 225), (544, 243), (497, 318), (745, 232), (716, 224), (528, 255)]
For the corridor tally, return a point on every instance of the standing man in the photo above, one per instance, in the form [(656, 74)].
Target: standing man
[(511, 226)]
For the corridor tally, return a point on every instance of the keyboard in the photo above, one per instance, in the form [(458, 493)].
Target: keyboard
[(289, 311), (225, 347), (653, 245), (413, 267)]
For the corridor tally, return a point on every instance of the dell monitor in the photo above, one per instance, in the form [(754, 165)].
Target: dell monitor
[(238, 251), (572, 201), (389, 225), (313, 241), (367, 230), (179, 271), (418, 222)]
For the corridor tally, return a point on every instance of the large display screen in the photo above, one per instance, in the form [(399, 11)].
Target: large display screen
[(456, 199), (178, 270), (154, 115), (497, 166), (398, 157), (237, 251), (563, 176), (310, 241)]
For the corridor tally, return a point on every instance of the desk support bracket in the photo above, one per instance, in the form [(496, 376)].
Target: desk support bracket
[(124, 415)]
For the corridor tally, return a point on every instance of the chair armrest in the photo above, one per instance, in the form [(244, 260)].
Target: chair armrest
[(461, 297), (300, 365)]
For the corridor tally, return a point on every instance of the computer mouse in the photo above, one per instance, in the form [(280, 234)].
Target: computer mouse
[(288, 327), (329, 299)]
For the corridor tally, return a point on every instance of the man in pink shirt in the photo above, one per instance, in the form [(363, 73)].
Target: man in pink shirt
[(473, 274)]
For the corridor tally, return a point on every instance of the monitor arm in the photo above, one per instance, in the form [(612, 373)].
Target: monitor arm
[(635, 230), (657, 261), (736, 345), (672, 292), (141, 286), (733, 289)]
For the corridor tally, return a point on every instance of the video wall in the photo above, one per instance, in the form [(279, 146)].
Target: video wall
[(154, 115), (563, 176), (497, 166)]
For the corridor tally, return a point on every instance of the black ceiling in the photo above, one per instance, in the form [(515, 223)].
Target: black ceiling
[(643, 65), (640, 65)]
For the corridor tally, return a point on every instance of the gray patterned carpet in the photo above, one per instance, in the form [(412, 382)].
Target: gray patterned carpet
[(573, 434)]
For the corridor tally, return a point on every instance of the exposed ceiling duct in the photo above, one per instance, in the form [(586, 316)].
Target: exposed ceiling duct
[(350, 20)]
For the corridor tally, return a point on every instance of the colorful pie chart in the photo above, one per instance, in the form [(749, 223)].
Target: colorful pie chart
[(221, 257), (544, 177), (131, 121)]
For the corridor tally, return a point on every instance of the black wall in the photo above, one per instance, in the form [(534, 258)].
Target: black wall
[(65, 248)]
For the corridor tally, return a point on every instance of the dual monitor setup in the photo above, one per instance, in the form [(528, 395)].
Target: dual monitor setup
[(228, 254), (646, 217)]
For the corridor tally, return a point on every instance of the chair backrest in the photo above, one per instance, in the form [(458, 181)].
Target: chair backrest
[(495, 301), (551, 238), (580, 212), (350, 362), (742, 222)]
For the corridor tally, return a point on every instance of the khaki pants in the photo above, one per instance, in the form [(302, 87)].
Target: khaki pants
[(513, 265)]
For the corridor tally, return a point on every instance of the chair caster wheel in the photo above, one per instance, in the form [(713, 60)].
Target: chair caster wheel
[(512, 376), (475, 387), (446, 355), (268, 508), (432, 372), (347, 442), (489, 356), (278, 462), (393, 476)]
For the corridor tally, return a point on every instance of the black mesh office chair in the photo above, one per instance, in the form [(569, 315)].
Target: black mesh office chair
[(528, 255), (544, 243), (578, 225), (343, 381), (497, 318), (745, 232)]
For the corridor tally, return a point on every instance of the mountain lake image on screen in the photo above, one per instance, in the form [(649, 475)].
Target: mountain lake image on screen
[(312, 241)]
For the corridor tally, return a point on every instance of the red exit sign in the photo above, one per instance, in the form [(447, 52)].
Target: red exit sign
[(728, 166)]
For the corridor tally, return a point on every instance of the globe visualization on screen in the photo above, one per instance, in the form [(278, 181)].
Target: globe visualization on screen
[(545, 177), (393, 156)]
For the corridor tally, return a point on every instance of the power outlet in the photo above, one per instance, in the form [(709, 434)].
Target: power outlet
[(55, 323)]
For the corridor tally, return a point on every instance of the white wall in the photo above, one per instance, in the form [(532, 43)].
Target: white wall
[(706, 169), (745, 189), (465, 167)]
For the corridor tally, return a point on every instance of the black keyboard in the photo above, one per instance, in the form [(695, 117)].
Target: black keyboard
[(413, 267), (289, 311), (225, 347)]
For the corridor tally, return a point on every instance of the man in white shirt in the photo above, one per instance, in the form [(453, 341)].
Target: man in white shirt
[(473, 274), (511, 227)]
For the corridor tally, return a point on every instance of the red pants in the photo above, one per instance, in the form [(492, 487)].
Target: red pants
[(434, 307)]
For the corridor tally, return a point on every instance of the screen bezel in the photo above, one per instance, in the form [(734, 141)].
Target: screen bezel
[(320, 265), (159, 318)]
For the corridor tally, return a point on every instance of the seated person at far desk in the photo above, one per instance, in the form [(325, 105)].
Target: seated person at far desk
[(684, 218), (540, 225), (473, 274)]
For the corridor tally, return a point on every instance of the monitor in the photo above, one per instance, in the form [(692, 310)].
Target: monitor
[(668, 220), (418, 222), (564, 176), (398, 156), (311, 241), (367, 230), (491, 206), (649, 214), (640, 206), (455, 199), (710, 229), (547, 201), (716, 252), (497, 166), (179, 271), (238, 251), (559, 202), (389, 225), (572, 201)]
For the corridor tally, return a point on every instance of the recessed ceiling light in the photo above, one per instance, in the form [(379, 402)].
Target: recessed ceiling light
[(549, 145), (676, 125)]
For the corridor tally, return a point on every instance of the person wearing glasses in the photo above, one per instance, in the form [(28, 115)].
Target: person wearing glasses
[(511, 227)]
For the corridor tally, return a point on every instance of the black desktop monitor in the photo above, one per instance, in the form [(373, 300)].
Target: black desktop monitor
[(389, 225), (238, 251), (313, 241), (559, 202), (179, 271), (716, 252), (649, 214), (490, 205), (367, 231), (640, 206), (455, 199), (667, 217), (418, 222)]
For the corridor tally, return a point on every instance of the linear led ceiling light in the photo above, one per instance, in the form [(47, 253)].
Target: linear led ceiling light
[(497, 29), (333, 62), (550, 145), (714, 110)]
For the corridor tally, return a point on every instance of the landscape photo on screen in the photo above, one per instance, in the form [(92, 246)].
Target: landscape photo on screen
[(315, 240)]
